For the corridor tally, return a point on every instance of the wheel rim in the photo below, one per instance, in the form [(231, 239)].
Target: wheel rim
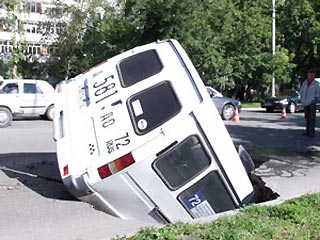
[(3, 117), (292, 108), (228, 112)]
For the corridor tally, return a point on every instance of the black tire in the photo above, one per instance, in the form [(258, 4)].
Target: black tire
[(228, 111), (5, 117), (49, 113)]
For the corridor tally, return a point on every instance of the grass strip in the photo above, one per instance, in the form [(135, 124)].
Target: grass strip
[(297, 218)]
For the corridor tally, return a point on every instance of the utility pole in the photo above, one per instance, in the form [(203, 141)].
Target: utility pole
[(273, 85)]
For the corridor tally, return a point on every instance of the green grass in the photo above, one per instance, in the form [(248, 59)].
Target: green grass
[(250, 104), (298, 218)]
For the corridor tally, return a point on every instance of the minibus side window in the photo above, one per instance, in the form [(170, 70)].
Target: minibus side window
[(152, 107), (182, 163), (139, 67)]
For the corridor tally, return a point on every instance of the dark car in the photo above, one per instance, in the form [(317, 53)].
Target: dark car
[(275, 103), (226, 106), (292, 104), (295, 105)]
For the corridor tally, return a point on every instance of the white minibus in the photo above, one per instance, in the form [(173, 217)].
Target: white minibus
[(139, 137)]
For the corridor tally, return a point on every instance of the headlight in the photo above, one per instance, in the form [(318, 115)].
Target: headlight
[(284, 101)]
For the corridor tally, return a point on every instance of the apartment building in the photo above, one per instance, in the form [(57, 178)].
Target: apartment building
[(30, 14)]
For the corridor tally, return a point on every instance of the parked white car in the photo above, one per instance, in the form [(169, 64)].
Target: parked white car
[(25, 97)]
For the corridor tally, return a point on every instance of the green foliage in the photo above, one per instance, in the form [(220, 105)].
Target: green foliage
[(298, 23), (77, 22), (226, 40), (229, 41), (10, 21), (108, 37), (295, 219)]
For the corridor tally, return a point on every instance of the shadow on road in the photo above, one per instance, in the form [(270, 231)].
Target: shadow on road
[(295, 120), (37, 171), (277, 139), (280, 143)]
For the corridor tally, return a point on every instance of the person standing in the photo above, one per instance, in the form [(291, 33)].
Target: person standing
[(310, 92)]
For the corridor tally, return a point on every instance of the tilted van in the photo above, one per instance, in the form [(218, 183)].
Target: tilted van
[(139, 137)]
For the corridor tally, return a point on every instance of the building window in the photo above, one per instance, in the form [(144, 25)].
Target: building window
[(34, 49), (6, 46), (51, 49), (32, 7), (30, 27)]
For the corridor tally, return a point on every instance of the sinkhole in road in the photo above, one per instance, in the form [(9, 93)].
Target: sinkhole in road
[(262, 192)]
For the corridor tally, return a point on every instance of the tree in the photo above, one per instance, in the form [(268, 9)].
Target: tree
[(299, 27), (11, 22), (108, 36), (72, 23), (188, 22), (228, 41)]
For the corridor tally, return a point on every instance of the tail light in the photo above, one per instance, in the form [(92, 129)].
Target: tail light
[(115, 166), (66, 170)]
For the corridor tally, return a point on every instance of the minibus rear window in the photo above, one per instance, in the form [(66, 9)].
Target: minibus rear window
[(139, 67), (207, 196), (153, 107), (182, 163)]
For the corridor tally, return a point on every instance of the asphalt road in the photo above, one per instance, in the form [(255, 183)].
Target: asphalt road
[(35, 205), (287, 161)]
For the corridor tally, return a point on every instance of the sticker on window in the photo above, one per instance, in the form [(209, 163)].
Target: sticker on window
[(198, 205), (137, 109)]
